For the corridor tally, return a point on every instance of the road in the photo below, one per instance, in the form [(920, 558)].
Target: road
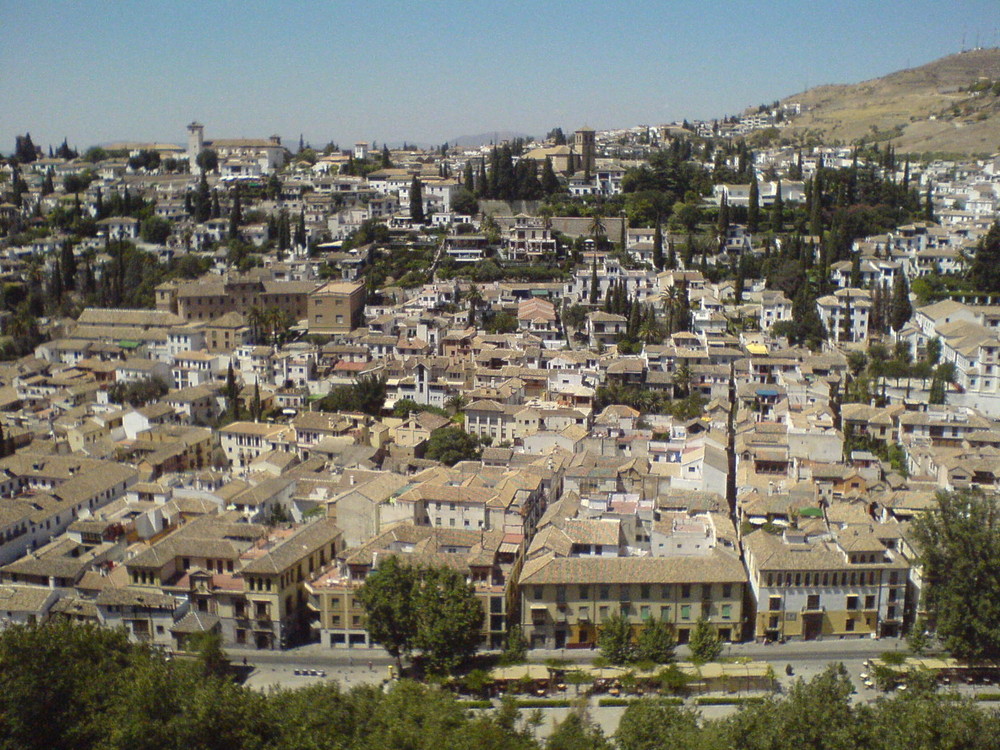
[(359, 666)]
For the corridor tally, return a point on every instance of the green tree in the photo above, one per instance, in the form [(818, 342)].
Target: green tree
[(550, 182), (388, 600), (155, 230), (615, 640), (449, 445), (235, 214), (576, 732), (705, 643), (654, 723), (900, 308), (449, 619), (595, 289), (658, 246), (656, 643), (777, 210), (431, 609), (984, 272), (232, 392), (207, 160), (417, 201), (56, 683), (386, 161), (370, 393), (753, 208), (959, 540)]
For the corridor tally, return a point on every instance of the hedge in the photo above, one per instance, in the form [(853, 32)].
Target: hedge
[(630, 701), (728, 701), (542, 703)]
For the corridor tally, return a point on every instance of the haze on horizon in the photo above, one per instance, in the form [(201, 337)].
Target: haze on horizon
[(101, 71)]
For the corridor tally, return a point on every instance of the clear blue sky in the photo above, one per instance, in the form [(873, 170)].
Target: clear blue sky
[(430, 71)]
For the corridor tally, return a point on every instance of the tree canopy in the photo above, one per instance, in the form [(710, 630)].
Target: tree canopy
[(449, 445), (959, 542), (429, 609)]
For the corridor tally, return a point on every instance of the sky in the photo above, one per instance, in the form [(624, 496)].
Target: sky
[(428, 72)]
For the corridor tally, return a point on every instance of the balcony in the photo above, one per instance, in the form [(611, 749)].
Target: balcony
[(812, 608)]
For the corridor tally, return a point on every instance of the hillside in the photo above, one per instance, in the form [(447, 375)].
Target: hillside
[(949, 105)]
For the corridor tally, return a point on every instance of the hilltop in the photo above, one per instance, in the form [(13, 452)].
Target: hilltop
[(950, 105)]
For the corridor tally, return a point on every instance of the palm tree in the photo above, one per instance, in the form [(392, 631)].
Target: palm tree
[(682, 378), (597, 229), (475, 299), (670, 307), (455, 403), (255, 320)]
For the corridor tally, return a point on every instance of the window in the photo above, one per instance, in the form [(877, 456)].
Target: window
[(584, 592), (849, 625), (685, 611), (644, 612), (812, 601), (538, 593), (605, 592), (727, 611), (685, 591), (774, 603), (665, 613), (644, 591), (870, 601), (603, 613), (852, 602), (727, 590)]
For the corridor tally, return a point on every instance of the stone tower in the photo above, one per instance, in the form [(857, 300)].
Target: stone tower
[(586, 148), (196, 141)]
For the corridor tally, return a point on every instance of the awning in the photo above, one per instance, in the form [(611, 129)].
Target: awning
[(538, 607)]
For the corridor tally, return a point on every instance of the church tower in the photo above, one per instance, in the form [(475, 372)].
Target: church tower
[(586, 149)]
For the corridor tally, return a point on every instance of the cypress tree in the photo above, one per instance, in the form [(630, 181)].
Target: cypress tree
[(68, 262), (216, 210), (255, 405), (202, 201), (753, 207), (816, 206), (300, 229), (724, 216), (929, 203), (550, 182), (232, 392), (468, 178), (900, 308), (482, 183), (416, 201), (658, 245), (594, 286), (386, 160), (777, 210), (671, 255), (235, 215)]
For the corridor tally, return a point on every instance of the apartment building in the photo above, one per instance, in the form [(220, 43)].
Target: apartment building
[(809, 583)]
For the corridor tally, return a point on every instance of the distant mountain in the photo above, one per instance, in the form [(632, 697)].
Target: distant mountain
[(496, 136), (951, 105)]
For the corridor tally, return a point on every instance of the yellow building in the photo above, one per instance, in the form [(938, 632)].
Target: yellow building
[(564, 600), (810, 583)]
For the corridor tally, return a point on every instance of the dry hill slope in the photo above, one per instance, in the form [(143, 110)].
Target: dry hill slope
[(950, 105)]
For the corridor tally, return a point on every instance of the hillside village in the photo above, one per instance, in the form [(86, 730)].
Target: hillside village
[(238, 375)]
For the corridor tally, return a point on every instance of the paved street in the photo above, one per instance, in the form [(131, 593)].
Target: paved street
[(352, 667)]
